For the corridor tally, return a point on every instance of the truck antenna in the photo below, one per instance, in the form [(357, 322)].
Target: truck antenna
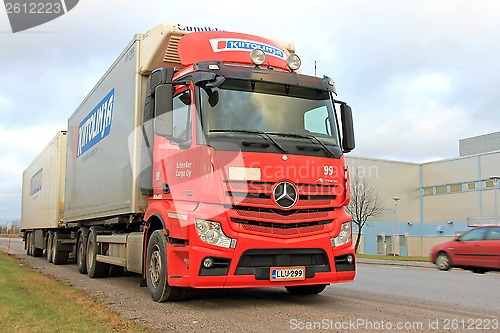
[(315, 68)]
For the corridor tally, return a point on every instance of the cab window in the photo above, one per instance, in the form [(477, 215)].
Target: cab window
[(182, 116)]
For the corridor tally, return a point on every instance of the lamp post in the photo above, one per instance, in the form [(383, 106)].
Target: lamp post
[(393, 241), (495, 179)]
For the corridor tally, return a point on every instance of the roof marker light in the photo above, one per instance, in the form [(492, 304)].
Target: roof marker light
[(293, 61), (258, 57)]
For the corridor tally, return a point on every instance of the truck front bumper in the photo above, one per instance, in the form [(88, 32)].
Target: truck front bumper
[(249, 265)]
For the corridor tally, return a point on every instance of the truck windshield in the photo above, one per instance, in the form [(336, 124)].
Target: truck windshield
[(275, 109)]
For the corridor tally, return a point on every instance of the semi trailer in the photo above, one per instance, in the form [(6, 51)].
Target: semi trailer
[(201, 159)]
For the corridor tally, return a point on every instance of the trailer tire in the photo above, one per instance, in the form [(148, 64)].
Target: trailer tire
[(156, 271), (95, 269), (306, 290), (50, 244), (81, 253), (28, 243), (58, 257), (35, 252)]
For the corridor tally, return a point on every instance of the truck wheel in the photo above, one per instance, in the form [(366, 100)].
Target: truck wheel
[(50, 244), (306, 290), (81, 253), (156, 271), (35, 252), (28, 243), (95, 269), (58, 257)]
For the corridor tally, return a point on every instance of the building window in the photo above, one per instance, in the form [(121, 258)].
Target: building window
[(470, 186), (488, 184), (442, 189), (428, 190), (455, 188), (380, 245)]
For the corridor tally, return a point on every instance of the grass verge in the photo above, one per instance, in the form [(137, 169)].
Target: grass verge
[(33, 302), (398, 258)]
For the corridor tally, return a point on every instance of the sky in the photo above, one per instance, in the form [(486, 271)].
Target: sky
[(418, 74)]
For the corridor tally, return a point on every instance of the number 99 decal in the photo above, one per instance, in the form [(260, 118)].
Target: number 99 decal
[(328, 170)]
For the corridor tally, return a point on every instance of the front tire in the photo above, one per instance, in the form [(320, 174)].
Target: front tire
[(306, 290), (156, 271), (443, 262)]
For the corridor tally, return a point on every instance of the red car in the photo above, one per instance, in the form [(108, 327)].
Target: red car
[(477, 249)]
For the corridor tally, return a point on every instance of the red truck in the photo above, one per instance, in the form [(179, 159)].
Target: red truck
[(201, 159)]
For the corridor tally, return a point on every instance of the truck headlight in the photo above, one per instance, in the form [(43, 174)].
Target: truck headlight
[(211, 233), (293, 61), (258, 56), (344, 235)]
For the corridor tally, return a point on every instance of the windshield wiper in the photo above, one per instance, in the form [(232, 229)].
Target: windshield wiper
[(303, 136), (263, 134)]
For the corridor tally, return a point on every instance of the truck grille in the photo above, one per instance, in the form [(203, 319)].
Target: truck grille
[(279, 229), (252, 206), (258, 194)]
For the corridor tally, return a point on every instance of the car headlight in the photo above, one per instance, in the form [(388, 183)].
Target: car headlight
[(211, 233), (344, 235)]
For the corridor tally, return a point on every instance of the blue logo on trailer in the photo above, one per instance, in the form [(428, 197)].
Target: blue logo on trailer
[(96, 125)]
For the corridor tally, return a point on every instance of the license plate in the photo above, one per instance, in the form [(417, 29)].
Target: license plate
[(287, 273)]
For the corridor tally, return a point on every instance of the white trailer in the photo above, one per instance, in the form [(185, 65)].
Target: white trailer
[(43, 194)]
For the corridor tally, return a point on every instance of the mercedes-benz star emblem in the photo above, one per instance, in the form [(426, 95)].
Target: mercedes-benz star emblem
[(285, 195)]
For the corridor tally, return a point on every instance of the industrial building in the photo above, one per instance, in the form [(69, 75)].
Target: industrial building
[(426, 203)]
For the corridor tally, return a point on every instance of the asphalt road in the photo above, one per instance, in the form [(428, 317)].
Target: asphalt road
[(382, 298)]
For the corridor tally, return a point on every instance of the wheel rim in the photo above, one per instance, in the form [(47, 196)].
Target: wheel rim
[(442, 261), (155, 266)]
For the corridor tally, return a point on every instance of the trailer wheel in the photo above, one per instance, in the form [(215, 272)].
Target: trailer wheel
[(156, 271), (58, 257), (306, 290), (81, 253), (35, 252), (95, 269), (50, 244), (28, 243)]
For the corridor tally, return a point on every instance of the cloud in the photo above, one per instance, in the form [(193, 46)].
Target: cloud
[(419, 74), (18, 147)]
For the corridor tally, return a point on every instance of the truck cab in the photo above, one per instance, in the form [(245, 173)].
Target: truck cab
[(247, 170)]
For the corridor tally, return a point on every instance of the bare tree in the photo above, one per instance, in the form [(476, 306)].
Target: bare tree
[(365, 203)]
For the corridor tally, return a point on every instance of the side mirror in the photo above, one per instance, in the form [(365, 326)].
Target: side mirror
[(163, 110), (348, 143)]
